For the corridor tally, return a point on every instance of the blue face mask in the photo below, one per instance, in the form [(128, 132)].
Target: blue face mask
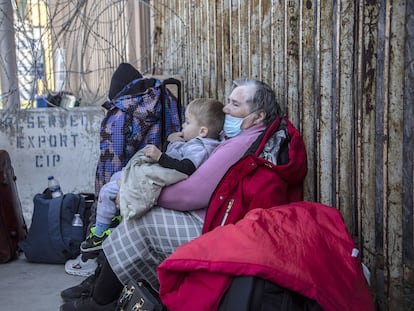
[(232, 125)]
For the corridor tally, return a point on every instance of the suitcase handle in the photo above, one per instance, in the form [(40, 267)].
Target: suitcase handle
[(163, 94), (178, 84)]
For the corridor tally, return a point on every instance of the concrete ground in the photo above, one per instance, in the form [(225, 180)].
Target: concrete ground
[(36, 287)]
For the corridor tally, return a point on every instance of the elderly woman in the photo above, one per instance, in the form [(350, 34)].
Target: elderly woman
[(136, 247)]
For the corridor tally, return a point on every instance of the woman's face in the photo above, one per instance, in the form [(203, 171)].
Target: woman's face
[(238, 107)]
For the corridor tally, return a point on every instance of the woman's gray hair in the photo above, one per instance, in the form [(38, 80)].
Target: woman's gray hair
[(263, 98)]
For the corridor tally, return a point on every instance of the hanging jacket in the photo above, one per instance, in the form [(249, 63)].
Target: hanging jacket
[(302, 246), (271, 173)]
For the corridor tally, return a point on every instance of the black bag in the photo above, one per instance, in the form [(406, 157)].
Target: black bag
[(139, 296), (249, 293), (52, 238)]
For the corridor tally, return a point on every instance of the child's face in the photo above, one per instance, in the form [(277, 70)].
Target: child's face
[(191, 128)]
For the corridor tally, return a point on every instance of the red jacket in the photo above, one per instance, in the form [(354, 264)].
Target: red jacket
[(255, 182), (302, 246)]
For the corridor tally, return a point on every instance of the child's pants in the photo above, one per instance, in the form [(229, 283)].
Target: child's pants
[(106, 208)]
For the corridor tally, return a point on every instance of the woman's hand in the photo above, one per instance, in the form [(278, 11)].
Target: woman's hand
[(152, 152)]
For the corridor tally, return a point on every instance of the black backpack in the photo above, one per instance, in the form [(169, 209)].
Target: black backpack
[(51, 237), (249, 293)]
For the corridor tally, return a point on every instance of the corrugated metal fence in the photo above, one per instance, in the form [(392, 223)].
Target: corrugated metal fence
[(344, 72)]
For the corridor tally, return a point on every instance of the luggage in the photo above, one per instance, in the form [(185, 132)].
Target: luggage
[(144, 112), (12, 224), (52, 237), (249, 293)]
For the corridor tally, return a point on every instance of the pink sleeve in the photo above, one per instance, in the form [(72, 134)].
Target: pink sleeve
[(195, 191)]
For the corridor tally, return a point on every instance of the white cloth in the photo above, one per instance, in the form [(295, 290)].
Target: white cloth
[(141, 182)]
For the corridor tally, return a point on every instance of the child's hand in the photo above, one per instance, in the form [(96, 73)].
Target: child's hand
[(152, 152), (177, 136)]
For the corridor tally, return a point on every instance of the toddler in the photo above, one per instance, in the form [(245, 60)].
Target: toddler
[(141, 180)]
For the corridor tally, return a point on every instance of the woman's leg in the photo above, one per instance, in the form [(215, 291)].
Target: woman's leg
[(107, 286), (105, 294), (134, 250), (137, 246)]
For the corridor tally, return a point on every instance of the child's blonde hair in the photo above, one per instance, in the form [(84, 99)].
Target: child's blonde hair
[(209, 113)]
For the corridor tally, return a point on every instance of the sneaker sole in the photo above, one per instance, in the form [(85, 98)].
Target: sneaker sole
[(86, 270), (79, 273), (91, 249), (73, 299)]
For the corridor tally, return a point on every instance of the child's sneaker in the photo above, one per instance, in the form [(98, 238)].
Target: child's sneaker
[(94, 242), (115, 221)]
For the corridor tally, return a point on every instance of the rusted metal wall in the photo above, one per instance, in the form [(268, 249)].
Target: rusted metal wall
[(344, 71)]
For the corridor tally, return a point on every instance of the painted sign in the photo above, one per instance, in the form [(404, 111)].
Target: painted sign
[(52, 141)]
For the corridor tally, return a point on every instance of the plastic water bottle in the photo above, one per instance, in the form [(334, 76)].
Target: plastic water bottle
[(54, 187), (77, 221)]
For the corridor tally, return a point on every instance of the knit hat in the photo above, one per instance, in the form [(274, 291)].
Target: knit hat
[(124, 74)]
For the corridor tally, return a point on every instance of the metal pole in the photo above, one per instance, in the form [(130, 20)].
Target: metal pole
[(8, 64)]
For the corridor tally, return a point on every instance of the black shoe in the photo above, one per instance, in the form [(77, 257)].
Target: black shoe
[(116, 220), (84, 289), (90, 255), (87, 304), (94, 242)]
